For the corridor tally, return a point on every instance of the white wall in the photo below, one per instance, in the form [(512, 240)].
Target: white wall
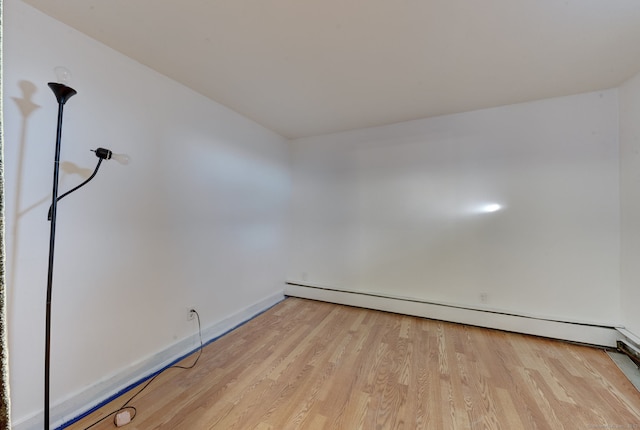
[(630, 202), (397, 210), (197, 218)]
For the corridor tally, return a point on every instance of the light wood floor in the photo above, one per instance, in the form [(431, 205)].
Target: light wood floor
[(313, 365)]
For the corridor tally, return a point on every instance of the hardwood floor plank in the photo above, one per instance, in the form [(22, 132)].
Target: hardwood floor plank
[(314, 365)]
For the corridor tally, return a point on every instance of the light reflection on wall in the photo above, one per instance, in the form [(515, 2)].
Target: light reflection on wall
[(488, 208)]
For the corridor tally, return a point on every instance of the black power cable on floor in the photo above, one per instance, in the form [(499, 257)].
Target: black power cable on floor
[(126, 407)]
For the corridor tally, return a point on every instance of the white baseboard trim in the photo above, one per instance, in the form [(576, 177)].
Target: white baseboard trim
[(79, 404), (586, 333)]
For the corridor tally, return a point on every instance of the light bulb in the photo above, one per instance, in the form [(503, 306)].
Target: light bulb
[(123, 159), (106, 154), (63, 75)]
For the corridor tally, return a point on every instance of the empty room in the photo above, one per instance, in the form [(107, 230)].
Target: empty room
[(320, 214)]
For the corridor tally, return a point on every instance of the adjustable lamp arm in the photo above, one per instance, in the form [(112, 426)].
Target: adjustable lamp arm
[(102, 154)]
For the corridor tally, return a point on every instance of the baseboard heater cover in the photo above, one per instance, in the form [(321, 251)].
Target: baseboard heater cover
[(585, 333), (630, 350), (629, 344)]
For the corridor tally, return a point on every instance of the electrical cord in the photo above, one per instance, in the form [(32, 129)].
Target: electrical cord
[(126, 406)]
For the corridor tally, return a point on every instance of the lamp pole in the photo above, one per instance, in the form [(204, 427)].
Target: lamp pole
[(62, 93)]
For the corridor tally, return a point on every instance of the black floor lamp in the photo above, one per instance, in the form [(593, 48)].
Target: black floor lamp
[(63, 93)]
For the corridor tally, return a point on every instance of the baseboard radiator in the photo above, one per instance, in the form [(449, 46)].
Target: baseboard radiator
[(585, 333)]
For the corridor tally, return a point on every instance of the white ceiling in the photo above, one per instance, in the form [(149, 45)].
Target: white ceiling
[(307, 67)]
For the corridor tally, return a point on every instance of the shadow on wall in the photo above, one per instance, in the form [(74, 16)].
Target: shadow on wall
[(27, 107)]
